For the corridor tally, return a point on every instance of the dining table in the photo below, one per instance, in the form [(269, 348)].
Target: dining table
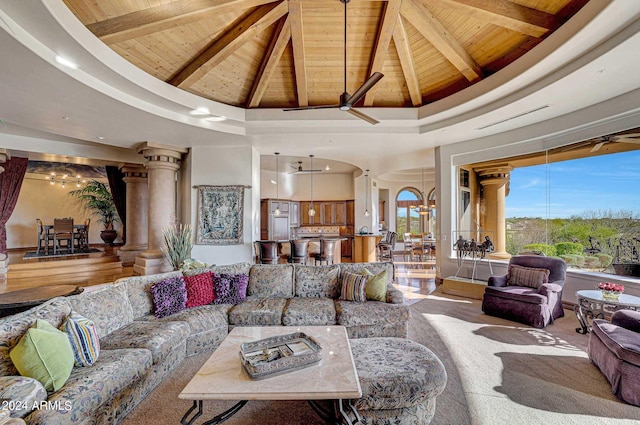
[(77, 229)]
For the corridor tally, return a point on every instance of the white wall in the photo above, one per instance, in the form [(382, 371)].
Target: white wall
[(39, 199), (227, 166), (297, 187)]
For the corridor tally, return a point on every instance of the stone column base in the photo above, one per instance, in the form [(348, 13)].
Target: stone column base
[(4, 265), (499, 255), (146, 266), (128, 257)]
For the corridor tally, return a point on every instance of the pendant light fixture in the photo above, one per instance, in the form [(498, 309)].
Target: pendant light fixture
[(423, 209), (366, 195), (312, 211), (277, 211)]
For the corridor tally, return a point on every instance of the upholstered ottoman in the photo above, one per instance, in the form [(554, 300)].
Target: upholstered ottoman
[(400, 381)]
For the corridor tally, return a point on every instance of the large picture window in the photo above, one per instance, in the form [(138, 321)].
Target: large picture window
[(407, 218)]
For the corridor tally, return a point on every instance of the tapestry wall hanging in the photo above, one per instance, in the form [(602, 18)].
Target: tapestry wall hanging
[(220, 215)]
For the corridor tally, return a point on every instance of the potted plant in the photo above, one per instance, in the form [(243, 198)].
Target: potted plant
[(96, 197)]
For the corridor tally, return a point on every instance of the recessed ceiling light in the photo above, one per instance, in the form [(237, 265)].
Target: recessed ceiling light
[(65, 118), (272, 181), (100, 137), (200, 111), (215, 118), (66, 62), (327, 168)]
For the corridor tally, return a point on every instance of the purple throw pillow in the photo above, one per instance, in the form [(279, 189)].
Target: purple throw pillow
[(230, 288), (169, 296)]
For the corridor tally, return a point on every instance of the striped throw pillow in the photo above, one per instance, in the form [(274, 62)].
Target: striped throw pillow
[(353, 287), (527, 276), (83, 337)]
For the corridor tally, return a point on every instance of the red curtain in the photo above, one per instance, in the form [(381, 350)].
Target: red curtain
[(10, 184)]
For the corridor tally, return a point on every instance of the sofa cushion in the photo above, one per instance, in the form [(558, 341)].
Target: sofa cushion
[(370, 313), (138, 290), (13, 327), (169, 296), (271, 281), (309, 312), (376, 289), (236, 268), (258, 312), (44, 353), (624, 343), (200, 319), (24, 391), (90, 388), (317, 281), (83, 338), (353, 287), (628, 319), (527, 276), (108, 308), (199, 289), (230, 288), (374, 268), (158, 337), (520, 293)]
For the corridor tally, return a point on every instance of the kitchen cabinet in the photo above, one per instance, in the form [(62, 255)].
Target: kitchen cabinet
[(333, 213), (294, 214), (305, 218), (346, 247), (350, 213), (272, 226)]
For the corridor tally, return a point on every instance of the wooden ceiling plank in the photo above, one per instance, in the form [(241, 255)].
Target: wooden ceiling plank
[(504, 13), (406, 62), (381, 47), (165, 16), (431, 29), (237, 34), (271, 58), (297, 41)]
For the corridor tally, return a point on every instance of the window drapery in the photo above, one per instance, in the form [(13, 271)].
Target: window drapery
[(118, 189), (10, 183)]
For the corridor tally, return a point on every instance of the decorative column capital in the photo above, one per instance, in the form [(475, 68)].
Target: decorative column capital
[(497, 174), (133, 172), (161, 156)]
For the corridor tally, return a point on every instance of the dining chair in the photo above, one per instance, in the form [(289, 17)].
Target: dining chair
[(326, 251), (81, 236), (408, 245), (62, 230), (385, 249), (43, 237), (299, 251)]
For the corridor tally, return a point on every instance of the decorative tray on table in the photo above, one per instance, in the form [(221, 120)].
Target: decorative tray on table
[(279, 354)]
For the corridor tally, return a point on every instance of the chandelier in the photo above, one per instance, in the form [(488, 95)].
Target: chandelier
[(64, 178)]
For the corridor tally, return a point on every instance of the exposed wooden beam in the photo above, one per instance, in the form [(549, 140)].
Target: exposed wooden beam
[(271, 57), (406, 62), (504, 13), (238, 33), (165, 16), (389, 19), (297, 41), (423, 20)]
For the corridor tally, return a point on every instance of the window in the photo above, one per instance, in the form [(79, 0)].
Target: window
[(407, 218)]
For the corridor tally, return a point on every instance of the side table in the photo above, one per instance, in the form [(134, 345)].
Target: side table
[(592, 305)]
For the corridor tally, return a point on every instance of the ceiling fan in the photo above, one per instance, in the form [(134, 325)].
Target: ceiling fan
[(299, 169), (599, 142), (348, 100)]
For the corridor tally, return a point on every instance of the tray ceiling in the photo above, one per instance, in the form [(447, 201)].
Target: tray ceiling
[(289, 53)]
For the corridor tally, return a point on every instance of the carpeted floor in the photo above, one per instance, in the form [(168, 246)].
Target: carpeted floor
[(499, 372), (44, 254)]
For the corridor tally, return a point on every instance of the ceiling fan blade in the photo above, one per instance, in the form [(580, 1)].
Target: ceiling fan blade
[(364, 88), (304, 108), (597, 147), (362, 116), (627, 140)]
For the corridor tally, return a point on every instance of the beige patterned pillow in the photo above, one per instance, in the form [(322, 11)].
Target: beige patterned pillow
[(527, 276)]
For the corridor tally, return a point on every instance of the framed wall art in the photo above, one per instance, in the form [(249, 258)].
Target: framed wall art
[(220, 215)]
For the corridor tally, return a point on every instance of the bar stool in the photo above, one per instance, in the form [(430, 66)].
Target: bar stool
[(326, 251), (268, 252), (299, 251)]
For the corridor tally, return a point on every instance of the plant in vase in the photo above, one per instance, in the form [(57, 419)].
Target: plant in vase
[(611, 290), (96, 197), (178, 242)]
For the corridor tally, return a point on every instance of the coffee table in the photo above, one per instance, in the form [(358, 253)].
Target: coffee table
[(592, 305), (223, 377)]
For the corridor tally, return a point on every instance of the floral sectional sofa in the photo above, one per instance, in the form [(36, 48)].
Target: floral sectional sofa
[(138, 350)]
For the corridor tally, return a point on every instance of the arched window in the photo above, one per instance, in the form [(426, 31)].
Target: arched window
[(407, 218)]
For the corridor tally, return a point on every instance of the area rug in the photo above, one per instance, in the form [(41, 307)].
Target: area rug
[(34, 254), (499, 372)]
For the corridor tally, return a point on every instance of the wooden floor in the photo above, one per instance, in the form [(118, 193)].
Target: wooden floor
[(415, 279)]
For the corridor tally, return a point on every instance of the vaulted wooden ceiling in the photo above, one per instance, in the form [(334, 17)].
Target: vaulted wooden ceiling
[(289, 53)]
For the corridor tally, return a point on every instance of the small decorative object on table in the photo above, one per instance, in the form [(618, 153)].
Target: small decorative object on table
[(279, 354), (610, 290)]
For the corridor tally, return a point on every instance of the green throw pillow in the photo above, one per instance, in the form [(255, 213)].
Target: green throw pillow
[(376, 288), (44, 353)]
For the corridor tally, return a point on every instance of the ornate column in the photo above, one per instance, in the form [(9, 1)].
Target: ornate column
[(162, 164), (495, 182), (137, 225), (4, 260)]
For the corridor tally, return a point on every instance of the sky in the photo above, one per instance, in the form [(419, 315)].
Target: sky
[(600, 183)]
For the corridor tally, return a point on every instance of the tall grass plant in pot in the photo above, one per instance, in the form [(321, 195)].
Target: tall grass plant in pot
[(96, 198)]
